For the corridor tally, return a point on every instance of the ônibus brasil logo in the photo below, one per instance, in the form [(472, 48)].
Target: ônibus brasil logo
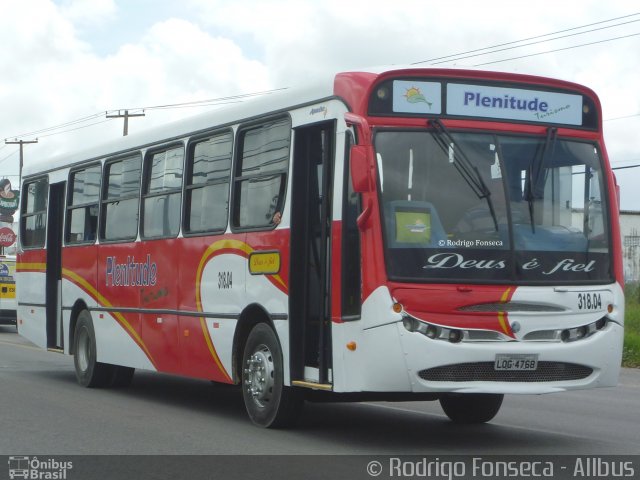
[(37, 469)]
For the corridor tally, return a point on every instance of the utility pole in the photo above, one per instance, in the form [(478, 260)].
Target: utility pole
[(21, 143), (126, 116)]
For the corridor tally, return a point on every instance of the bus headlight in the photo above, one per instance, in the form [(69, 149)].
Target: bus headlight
[(434, 332), (455, 336), (584, 331), (410, 324)]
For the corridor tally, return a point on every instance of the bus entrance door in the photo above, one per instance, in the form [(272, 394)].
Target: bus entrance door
[(309, 305), (54, 267)]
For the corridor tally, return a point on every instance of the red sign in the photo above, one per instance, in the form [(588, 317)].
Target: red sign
[(7, 237)]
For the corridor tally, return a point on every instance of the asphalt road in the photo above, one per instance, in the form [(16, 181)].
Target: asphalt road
[(44, 411)]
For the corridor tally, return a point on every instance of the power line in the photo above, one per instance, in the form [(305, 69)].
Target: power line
[(625, 161), (532, 38), (628, 166), (621, 118), (50, 131), (199, 105), (8, 156), (213, 101), (529, 44), (558, 49), (56, 127), (74, 129), (536, 43)]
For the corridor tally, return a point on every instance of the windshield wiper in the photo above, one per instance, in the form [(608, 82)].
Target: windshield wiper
[(536, 174), (467, 170)]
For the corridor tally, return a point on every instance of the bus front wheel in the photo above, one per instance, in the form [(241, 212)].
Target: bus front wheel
[(89, 372), (467, 408), (268, 401)]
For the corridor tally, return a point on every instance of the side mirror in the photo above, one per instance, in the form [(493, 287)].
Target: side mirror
[(360, 171)]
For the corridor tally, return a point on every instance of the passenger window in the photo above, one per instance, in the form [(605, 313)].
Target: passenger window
[(33, 218), (261, 174), (82, 211), (121, 199), (162, 193), (207, 190)]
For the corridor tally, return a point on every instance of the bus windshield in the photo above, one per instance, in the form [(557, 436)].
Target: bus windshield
[(464, 206)]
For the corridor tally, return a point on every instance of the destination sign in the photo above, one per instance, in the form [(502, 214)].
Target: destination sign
[(449, 98), (514, 104)]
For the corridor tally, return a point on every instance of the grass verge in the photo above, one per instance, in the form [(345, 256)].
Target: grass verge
[(631, 349)]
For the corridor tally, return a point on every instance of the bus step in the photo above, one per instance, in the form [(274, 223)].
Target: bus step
[(312, 385), (55, 350)]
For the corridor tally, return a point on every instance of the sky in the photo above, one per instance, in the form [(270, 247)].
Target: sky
[(64, 63)]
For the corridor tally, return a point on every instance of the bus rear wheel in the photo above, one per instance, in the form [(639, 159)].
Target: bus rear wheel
[(468, 408), (268, 401), (89, 372)]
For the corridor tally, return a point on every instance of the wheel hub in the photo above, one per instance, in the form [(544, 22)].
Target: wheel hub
[(259, 376)]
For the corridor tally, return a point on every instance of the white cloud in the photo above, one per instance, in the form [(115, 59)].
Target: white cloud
[(197, 63), (53, 77), (39, 46)]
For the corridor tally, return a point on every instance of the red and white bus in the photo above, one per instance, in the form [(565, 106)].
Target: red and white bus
[(411, 233)]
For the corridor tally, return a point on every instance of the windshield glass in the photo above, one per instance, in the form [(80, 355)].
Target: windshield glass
[(485, 207)]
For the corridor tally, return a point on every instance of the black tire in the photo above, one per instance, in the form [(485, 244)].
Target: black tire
[(268, 401), (468, 408), (89, 372)]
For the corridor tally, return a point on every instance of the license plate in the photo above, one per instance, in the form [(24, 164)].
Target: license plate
[(516, 362)]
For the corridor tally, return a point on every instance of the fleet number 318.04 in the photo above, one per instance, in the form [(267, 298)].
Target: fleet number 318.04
[(589, 301)]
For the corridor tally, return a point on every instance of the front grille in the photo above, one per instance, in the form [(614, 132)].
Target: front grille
[(511, 307), (484, 372)]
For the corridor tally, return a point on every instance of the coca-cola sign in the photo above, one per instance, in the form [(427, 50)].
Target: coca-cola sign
[(7, 237)]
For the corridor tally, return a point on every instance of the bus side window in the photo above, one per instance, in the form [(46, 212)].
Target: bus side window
[(82, 209), (33, 218), (207, 184), (261, 173), (121, 199), (162, 193)]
